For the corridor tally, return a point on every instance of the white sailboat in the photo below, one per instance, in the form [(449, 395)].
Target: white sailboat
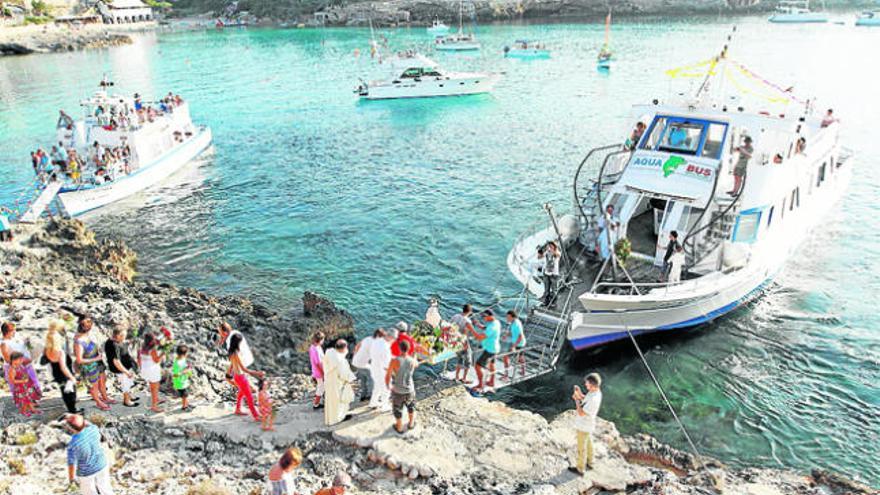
[(458, 42), (416, 76), (796, 12), (120, 147), (438, 28), (679, 174)]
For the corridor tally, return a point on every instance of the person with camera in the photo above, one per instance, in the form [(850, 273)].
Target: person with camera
[(550, 272)]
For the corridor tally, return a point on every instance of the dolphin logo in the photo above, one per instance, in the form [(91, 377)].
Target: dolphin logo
[(671, 164)]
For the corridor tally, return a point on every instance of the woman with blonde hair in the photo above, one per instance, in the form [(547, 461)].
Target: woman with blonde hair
[(59, 361)]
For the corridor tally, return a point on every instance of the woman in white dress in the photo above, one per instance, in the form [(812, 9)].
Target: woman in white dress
[(149, 361)]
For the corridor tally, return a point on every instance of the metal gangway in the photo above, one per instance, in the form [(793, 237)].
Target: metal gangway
[(39, 205), (545, 331)]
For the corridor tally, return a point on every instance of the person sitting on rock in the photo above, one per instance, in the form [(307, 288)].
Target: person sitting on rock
[(281, 473)]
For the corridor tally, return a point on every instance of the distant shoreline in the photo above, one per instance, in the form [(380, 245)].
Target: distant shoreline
[(52, 38)]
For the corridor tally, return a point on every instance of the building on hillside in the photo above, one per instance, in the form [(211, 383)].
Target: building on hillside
[(124, 11)]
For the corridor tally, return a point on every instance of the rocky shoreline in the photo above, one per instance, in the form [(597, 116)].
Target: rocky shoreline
[(463, 445), (49, 38)]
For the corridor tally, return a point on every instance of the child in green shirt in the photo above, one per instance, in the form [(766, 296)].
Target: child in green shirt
[(180, 374)]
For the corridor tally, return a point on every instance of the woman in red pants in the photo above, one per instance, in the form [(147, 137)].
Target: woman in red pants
[(239, 377)]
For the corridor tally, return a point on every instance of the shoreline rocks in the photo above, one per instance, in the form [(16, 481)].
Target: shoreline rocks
[(50, 38), (461, 444)]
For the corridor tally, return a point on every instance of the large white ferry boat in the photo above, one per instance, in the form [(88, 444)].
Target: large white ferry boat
[(740, 185), (416, 76), (120, 147)]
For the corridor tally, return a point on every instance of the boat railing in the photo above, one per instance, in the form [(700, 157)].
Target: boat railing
[(610, 151)]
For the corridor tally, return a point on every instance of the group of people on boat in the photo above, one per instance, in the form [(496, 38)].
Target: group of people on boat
[(98, 164)]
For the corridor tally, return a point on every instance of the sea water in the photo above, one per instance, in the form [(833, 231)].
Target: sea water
[(380, 205)]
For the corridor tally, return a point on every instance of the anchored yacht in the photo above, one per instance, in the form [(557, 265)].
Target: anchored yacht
[(458, 42), (416, 76), (120, 147), (526, 49), (868, 19), (741, 186), (438, 28), (796, 11)]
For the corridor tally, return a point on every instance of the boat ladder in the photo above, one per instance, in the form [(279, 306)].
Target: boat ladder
[(545, 331), (41, 203)]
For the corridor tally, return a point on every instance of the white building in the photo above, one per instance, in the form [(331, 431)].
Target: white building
[(124, 11)]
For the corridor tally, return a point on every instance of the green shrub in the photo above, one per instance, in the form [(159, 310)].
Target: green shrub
[(17, 466), (28, 438), (36, 20)]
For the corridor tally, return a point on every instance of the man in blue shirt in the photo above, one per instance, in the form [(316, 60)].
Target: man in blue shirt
[(490, 341), (517, 343), (86, 461)]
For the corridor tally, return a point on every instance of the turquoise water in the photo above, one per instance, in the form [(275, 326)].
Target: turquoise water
[(380, 205)]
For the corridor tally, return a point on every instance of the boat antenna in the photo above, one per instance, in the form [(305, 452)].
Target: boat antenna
[(721, 57)]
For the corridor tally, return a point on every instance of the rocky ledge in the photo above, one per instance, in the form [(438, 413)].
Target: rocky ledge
[(23, 40), (461, 444)]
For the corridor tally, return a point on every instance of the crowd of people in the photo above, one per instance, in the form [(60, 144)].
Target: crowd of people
[(386, 362), (100, 163)]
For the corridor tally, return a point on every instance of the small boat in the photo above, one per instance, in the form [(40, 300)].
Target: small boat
[(458, 42), (438, 28), (796, 12), (740, 187), (121, 146), (603, 60), (416, 76), (868, 19), (526, 49)]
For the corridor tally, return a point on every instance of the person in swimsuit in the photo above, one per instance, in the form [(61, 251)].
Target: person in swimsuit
[(91, 363)]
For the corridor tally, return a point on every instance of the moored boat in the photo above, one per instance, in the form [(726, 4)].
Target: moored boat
[(120, 147), (438, 28), (526, 49), (416, 76), (740, 187), (796, 12), (868, 19), (458, 42)]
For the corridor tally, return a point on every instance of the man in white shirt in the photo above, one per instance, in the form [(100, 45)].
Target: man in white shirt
[(244, 351), (380, 359), (360, 360), (587, 407)]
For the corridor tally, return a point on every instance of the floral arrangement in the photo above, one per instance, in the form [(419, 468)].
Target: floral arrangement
[(166, 340), (622, 250)]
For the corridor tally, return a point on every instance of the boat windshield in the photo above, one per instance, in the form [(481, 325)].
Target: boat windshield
[(414, 72), (686, 136)]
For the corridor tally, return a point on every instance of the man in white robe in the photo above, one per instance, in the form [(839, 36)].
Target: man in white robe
[(380, 359), (338, 379)]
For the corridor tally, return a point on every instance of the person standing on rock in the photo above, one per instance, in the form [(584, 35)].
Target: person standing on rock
[(226, 333), (150, 363), (281, 474), (9, 344), (403, 390), (121, 364), (61, 365), (360, 359), (91, 363), (587, 408), (316, 358), (338, 378), (86, 461), (380, 359), (239, 374)]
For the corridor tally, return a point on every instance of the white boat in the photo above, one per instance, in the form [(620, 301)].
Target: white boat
[(438, 28), (458, 42), (796, 11), (868, 19), (603, 60), (675, 176), (526, 49), (416, 76), (142, 144)]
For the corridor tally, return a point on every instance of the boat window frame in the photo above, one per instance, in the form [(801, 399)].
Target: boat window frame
[(757, 213), (672, 119)]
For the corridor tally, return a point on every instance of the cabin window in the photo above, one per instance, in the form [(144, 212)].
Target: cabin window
[(681, 137), (654, 136), (746, 229), (782, 210), (820, 178), (770, 216), (714, 141), (431, 73), (412, 72), (795, 199)]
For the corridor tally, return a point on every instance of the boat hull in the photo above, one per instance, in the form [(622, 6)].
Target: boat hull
[(874, 22), (77, 201), (811, 18), (528, 54), (477, 84), (458, 47), (438, 31)]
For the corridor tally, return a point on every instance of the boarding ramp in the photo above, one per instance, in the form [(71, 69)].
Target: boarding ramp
[(42, 201)]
